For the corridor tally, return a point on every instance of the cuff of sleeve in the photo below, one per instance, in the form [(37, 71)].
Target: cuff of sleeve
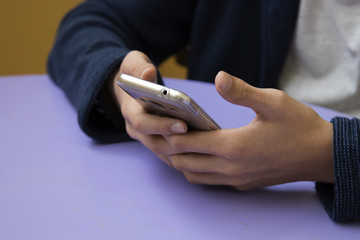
[(97, 122), (342, 199)]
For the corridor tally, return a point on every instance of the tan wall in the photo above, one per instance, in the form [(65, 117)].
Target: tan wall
[(171, 69), (27, 31)]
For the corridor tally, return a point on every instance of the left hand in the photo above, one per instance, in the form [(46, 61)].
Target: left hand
[(140, 125), (287, 141)]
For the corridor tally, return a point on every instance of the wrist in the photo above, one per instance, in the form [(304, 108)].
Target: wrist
[(325, 163)]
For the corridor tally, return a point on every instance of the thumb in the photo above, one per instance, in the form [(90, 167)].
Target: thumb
[(137, 64), (149, 73), (238, 92)]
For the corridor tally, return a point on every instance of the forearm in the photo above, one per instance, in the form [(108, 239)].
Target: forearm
[(92, 41), (83, 58)]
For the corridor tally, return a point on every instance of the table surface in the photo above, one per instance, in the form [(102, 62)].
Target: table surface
[(56, 183)]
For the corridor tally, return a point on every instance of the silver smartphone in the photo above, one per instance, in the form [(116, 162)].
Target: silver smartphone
[(163, 101)]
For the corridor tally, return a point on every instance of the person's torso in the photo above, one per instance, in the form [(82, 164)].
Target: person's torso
[(248, 39)]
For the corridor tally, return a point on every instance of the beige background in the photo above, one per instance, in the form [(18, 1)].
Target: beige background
[(27, 31)]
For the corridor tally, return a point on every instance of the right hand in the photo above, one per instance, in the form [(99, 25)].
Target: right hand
[(147, 128)]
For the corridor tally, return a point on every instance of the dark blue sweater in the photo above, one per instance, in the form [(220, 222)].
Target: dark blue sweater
[(248, 39)]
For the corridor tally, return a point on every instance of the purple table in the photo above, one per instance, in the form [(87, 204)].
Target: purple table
[(55, 183)]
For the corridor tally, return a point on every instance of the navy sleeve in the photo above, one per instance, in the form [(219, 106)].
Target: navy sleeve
[(342, 199), (91, 43)]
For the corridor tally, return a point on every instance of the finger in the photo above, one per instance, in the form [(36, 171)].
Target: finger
[(146, 123), (137, 64), (238, 92), (208, 178), (152, 124), (241, 183), (201, 163), (165, 159), (156, 144), (214, 142), (149, 124)]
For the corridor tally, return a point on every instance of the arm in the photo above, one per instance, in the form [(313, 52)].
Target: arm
[(92, 42)]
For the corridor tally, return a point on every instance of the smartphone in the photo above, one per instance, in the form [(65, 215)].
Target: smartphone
[(163, 101)]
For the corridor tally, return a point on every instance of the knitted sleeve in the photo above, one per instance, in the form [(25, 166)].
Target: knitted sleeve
[(342, 199)]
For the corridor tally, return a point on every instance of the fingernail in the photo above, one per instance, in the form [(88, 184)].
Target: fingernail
[(225, 82), (144, 71), (178, 128)]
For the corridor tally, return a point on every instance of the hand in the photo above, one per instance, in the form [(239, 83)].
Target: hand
[(287, 141), (140, 125)]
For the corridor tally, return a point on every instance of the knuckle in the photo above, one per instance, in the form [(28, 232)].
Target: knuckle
[(281, 99), (191, 178), (230, 171), (230, 150), (243, 92), (123, 110), (164, 129), (177, 163), (138, 125), (165, 159), (281, 95), (136, 54), (133, 67), (136, 68), (153, 145), (243, 187), (130, 131), (227, 153), (135, 62), (176, 143), (243, 183), (229, 147)]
